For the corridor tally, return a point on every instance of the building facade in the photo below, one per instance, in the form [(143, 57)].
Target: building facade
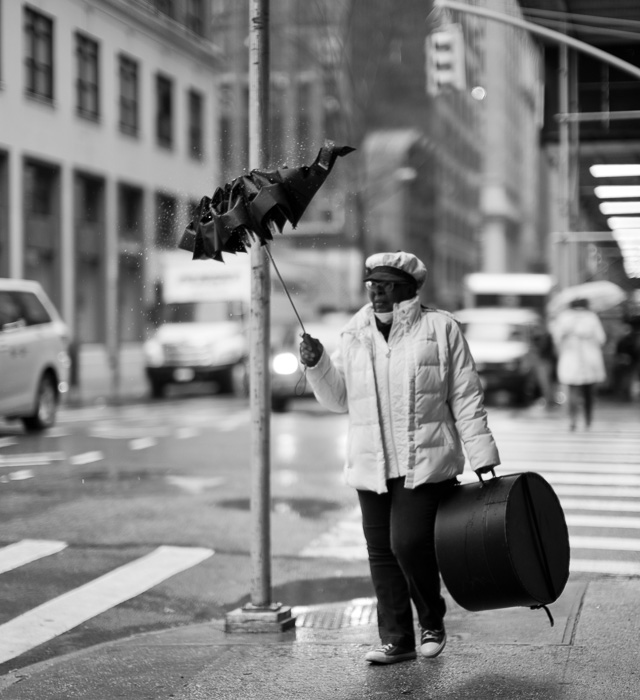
[(106, 143), (513, 232)]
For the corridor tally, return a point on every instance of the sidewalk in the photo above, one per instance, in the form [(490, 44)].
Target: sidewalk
[(511, 654), (99, 382)]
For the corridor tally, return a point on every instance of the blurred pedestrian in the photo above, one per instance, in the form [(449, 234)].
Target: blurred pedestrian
[(626, 364), (579, 338), (405, 375), (545, 365)]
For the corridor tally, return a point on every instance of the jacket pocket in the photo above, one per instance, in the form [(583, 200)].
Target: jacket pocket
[(448, 435)]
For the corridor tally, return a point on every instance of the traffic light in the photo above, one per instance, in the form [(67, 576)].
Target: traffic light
[(445, 61)]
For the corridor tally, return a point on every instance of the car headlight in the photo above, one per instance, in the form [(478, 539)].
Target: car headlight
[(153, 353), (285, 363)]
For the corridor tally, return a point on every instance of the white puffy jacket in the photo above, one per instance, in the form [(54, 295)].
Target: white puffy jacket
[(441, 392)]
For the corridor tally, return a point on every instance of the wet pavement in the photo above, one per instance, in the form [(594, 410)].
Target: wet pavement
[(591, 652)]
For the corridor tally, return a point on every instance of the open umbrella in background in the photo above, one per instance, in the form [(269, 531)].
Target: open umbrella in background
[(602, 295)]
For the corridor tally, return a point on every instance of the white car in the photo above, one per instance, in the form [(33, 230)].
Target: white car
[(501, 341), (199, 341), (34, 355)]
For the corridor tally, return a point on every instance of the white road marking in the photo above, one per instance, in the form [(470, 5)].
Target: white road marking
[(142, 443), (195, 484), (186, 432), (621, 544), (8, 441), (610, 521), (573, 466), (57, 616), (20, 475), (602, 566), (35, 459), (594, 504), (595, 479), (86, 458), (26, 551), (608, 492)]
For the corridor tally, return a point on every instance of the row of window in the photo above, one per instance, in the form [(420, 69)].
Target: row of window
[(39, 65), (41, 196)]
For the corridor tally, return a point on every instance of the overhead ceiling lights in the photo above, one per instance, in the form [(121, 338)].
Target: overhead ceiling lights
[(617, 191), (613, 208), (619, 222), (615, 170), (625, 229)]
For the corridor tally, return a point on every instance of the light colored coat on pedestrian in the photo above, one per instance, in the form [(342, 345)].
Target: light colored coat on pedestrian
[(437, 391), (579, 338)]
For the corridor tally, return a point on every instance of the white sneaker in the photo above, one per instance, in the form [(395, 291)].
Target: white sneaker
[(389, 654), (432, 642)]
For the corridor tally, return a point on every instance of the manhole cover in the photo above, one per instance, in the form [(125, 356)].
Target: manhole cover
[(355, 613)]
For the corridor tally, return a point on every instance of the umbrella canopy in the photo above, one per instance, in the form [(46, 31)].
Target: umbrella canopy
[(254, 205), (602, 295)]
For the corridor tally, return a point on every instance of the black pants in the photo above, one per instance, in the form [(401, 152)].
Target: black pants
[(582, 394), (399, 530)]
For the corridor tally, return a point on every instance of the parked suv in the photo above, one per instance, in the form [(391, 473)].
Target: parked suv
[(34, 357)]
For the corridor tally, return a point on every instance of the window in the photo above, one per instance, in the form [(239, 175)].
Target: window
[(166, 209), (166, 7), (18, 309), (164, 111), (32, 309), (91, 203), (39, 190), (131, 201), (10, 313), (38, 54), (128, 96), (195, 124), (194, 17), (87, 80)]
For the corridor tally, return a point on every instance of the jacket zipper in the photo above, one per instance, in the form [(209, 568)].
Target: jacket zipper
[(390, 414)]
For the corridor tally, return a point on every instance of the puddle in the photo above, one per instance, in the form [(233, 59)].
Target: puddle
[(311, 508)]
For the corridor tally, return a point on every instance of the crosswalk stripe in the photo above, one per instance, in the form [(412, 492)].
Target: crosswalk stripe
[(26, 551), (602, 566), (595, 504), (47, 621), (599, 479), (86, 458), (31, 459), (603, 521), (142, 443), (621, 544), (621, 492), (569, 467)]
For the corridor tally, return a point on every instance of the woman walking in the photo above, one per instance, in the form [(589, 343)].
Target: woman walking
[(579, 338)]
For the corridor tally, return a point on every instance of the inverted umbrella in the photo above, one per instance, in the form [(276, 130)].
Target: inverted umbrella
[(254, 205), (602, 295)]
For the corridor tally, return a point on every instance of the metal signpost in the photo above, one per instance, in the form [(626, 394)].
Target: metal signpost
[(261, 614)]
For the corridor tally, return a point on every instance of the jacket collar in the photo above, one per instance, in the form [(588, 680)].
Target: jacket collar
[(406, 312)]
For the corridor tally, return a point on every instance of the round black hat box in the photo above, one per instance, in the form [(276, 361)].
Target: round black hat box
[(503, 542)]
